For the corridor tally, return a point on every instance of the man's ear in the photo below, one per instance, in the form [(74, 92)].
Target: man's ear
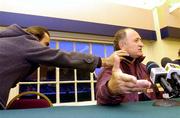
[(121, 45)]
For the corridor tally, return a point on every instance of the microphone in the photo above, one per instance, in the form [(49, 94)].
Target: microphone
[(172, 69), (164, 61), (177, 61), (158, 75)]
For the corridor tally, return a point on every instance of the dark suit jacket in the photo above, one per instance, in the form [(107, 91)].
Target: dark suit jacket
[(21, 54)]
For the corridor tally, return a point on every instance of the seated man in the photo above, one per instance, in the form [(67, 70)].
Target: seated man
[(128, 77)]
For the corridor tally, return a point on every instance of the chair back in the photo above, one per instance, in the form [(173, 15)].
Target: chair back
[(22, 103)]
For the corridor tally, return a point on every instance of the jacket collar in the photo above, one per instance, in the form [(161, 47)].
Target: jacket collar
[(137, 60)]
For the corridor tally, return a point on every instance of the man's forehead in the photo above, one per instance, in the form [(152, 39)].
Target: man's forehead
[(130, 33)]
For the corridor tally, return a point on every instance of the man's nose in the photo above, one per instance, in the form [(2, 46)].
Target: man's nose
[(141, 44)]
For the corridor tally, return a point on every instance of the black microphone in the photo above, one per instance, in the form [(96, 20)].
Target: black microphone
[(177, 61), (172, 69), (158, 75), (165, 60)]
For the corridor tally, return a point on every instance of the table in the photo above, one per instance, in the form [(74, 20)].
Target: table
[(125, 110)]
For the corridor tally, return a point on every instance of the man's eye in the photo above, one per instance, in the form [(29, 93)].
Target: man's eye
[(136, 40)]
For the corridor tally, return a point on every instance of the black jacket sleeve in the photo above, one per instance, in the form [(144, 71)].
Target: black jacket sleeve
[(54, 57)]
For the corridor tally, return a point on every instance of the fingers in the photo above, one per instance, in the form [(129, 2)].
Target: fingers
[(109, 61), (128, 78), (140, 86), (132, 90), (143, 84), (121, 53), (118, 55), (130, 84), (137, 90), (126, 90), (116, 64)]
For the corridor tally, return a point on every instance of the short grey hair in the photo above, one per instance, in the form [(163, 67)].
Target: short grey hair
[(119, 35)]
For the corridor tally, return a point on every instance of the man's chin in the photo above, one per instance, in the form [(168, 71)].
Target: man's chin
[(139, 55)]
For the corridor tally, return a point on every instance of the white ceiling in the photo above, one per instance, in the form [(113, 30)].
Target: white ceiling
[(145, 4)]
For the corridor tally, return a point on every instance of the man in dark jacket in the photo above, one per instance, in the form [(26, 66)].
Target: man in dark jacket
[(128, 77), (21, 52)]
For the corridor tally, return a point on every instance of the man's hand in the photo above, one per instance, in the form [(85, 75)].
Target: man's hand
[(109, 61), (121, 83)]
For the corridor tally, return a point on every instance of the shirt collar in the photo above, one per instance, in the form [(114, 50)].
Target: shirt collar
[(137, 60)]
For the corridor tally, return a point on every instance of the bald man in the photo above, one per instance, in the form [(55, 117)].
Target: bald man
[(128, 77)]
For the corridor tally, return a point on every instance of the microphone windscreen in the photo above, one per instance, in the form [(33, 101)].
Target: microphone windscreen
[(165, 60), (176, 61), (151, 65)]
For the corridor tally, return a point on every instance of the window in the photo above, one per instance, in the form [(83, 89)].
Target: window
[(63, 85)]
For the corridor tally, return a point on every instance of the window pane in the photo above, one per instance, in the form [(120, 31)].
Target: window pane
[(109, 50), (27, 87), (95, 90), (66, 74), (52, 44), (66, 46), (97, 72), (83, 75), (84, 91), (67, 93), (49, 90), (82, 47), (98, 49), (94, 76), (47, 73)]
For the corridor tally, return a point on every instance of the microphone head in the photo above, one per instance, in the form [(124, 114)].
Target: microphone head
[(151, 65), (165, 60), (176, 61)]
